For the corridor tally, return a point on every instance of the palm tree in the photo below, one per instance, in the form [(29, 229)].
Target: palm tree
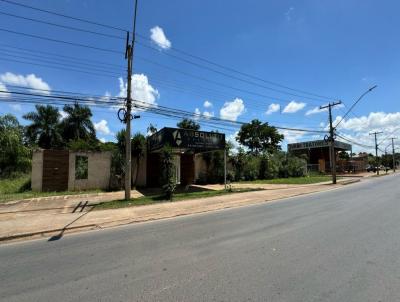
[(77, 124), (44, 129), (138, 148)]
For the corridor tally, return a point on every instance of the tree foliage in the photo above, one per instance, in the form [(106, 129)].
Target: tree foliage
[(44, 129), (77, 124), (188, 124), (259, 137), (14, 155)]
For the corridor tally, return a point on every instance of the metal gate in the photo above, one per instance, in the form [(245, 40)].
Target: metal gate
[(55, 170)]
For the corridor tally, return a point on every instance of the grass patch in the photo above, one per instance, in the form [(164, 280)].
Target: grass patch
[(147, 200), (292, 180), (19, 187)]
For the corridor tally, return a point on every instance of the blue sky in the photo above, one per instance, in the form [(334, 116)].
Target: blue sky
[(331, 48)]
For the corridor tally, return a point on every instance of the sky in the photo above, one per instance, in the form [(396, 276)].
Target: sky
[(334, 49)]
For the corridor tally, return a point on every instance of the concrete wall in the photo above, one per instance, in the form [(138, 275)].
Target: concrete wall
[(99, 168), (37, 170), (200, 166), (142, 170)]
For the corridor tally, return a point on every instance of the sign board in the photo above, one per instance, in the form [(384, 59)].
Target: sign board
[(318, 144), (187, 139)]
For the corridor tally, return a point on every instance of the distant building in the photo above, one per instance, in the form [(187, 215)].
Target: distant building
[(317, 153)]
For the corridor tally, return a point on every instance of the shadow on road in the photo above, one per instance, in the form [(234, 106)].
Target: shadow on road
[(60, 235)]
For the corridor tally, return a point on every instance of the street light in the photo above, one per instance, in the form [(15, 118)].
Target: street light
[(355, 103)]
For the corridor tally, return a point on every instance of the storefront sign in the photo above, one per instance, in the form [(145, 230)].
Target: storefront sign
[(318, 144), (187, 139)]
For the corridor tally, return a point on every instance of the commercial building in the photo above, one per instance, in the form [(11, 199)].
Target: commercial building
[(317, 153), (60, 170)]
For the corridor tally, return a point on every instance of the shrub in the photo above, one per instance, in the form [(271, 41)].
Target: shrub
[(168, 172)]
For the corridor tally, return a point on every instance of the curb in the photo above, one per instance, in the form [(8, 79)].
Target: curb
[(350, 181), (43, 233)]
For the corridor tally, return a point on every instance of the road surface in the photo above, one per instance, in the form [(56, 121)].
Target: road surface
[(341, 245)]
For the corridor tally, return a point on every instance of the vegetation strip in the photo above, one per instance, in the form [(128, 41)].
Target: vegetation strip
[(147, 200)]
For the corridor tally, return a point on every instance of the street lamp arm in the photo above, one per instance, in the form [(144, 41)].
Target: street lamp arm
[(355, 103)]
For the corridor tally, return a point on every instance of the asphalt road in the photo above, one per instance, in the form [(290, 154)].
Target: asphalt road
[(341, 245)]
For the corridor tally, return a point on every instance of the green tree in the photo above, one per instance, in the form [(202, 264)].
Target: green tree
[(188, 124), (44, 130), (259, 137), (78, 124), (344, 155), (151, 129), (14, 155)]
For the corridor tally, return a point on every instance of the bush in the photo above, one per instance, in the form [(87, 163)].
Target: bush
[(168, 173), (296, 166), (267, 166)]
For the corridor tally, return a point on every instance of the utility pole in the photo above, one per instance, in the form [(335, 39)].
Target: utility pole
[(393, 154), (125, 114), (331, 139), (376, 149)]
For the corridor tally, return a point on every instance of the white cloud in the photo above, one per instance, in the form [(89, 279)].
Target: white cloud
[(289, 13), (291, 136), (29, 81), (273, 108), (157, 35), (357, 129), (102, 127), (142, 91), (208, 114), (63, 114), (380, 121), (293, 107), (3, 88), (316, 110), (232, 139), (205, 114), (207, 104), (102, 139), (16, 107), (232, 110)]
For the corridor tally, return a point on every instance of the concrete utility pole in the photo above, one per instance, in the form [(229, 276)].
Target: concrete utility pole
[(127, 112), (331, 140), (376, 149)]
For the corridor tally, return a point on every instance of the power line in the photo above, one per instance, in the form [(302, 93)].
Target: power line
[(240, 72), (181, 52), (60, 55), (223, 73), (67, 64), (63, 26), (64, 16), (355, 143), (58, 68), (60, 41), (159, 109), (355, 103)]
